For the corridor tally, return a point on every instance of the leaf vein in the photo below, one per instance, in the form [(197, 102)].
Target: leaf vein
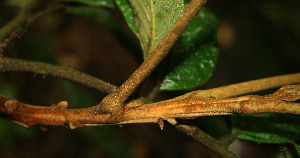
[(169, 23)]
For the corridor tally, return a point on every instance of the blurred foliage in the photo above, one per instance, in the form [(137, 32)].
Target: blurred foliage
[(102, 3)]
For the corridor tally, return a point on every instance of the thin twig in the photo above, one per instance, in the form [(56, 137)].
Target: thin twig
[(8, 65), (229, 140), (18, 22), (114, 102), (205, 140), (245, 87), (154, 92)]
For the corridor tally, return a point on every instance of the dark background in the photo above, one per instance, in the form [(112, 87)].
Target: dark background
[(257, 39)]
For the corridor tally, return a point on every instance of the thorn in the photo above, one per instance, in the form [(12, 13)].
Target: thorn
[(60, 106), (134, 104), (160, 122), (73, 125), (172, 121), (44, 129), (11, 105)]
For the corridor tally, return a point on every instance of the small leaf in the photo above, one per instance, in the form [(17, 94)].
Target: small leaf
[(267, 128), (103, 3), (193, 57), (153, 19)]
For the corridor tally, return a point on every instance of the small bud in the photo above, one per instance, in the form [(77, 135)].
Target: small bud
[(11, 105), (160, 122), (44, 129), (172, 121), (73, 125), (62, 105)]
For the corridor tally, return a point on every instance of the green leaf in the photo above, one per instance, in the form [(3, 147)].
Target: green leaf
[(153, 19), (127, 13), (201, 31), (195, 69), (193, 57), (103, 3), (267, 128), (297, 147)]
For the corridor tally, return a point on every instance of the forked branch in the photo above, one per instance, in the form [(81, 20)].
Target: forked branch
[(137, 112), (114, 103)]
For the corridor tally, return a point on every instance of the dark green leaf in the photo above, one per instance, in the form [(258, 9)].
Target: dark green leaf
[(127, 13), (194, 56), (297, 147), (103, 3), (191, 72), (267, 128), (201, 31)]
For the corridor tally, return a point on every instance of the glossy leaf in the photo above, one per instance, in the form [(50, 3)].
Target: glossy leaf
[(103, 3), (128, 14), (191, 72), (201, 31), (153, 19), (194, 55), (267, 128)]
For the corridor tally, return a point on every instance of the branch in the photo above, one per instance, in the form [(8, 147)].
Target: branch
[(56, 115), (114, 103), (137, 112), (8, 65), (205, 140), (245, 87), (192, 107), (13, 25)]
